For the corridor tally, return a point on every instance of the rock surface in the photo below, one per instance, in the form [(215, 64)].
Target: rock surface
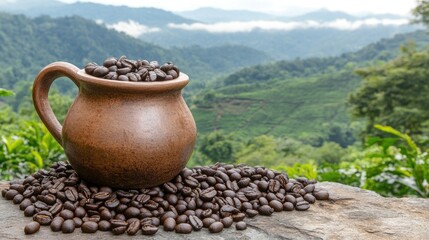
[(351, 213)]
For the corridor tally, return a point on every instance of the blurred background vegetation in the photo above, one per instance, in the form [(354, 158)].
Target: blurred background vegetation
[(360, 118)]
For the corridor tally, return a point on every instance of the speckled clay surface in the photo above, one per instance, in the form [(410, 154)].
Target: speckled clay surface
[(120, 134)]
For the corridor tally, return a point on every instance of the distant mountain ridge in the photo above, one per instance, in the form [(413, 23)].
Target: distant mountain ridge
[(28, 44)]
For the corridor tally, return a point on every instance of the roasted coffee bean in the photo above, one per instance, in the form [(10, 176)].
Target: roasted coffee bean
[(170, 187), (110, 62), (252, 213), (89, 227), (276, 205), (29, 211), (131, 212), (80, 212), (101, 196), (125, 79), (43, 217), (18, 199), (228, 221), (195, 222), (119, 230), (71, 194), (31, 228), (238, 217), (287, 206), (265, 210), (104, 225), (302, 206), (68, 226), (309, 198), (169, 224), (66, 214), (24, 204), (77, 222), (133, 228), (100, 71), (149, 229), (321, 195), (56, 224), (208, 221), (216, 227), (183, 228), (111, 203), (90, 67), (309, 188), (10, 194), (240, 225)]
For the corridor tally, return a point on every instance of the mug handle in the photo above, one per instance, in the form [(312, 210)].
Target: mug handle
[(41, 86)]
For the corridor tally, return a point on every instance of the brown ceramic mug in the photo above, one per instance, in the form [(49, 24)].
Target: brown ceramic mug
[(120, 134)]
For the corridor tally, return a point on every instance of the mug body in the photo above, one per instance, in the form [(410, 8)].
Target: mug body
[(128, 139)]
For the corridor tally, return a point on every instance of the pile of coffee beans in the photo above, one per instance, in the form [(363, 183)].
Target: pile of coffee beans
[(124, 69), (213, 197)]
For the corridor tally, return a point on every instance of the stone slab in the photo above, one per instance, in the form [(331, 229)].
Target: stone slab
[(351, 213)]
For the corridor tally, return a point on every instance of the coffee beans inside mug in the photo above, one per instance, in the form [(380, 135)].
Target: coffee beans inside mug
[(213, 197), (123, 69)]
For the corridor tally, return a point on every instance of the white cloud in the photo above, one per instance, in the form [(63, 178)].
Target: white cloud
[(132, 28), (340, 24)]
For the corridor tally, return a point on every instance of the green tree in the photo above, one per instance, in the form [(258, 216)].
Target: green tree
[(218, 147), (395, 93), (261, 150), (421, 12)]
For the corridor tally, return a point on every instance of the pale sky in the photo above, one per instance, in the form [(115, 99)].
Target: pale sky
[(289, 7)]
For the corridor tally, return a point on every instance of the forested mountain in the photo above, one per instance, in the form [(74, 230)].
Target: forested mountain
[(304, 98), (26, 45), (106, 13), (316, 34)]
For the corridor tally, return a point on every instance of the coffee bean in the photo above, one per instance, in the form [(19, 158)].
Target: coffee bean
[(43, 217), (119, 230), (265, 210), (240, 226), (251, 213), (101, 196), (29, 211), (68, 226), (216, 227), (125, 79), (56, 224), (89, 227), (31, 228), (18, 199), (104, 225), (321, 195), (77, 222), (196, 223), (111, 203), (66, 214), (238, 217), (149, 229), (131, 212), (276, 205), (133, 228), (110, 62), (208, 221), (90, 67), (11, 194), (183, 228), (100, 71), (169, 224), (287, 206), (71, 194), (227, 222), (302, 206), (24, 204), (309, 198)]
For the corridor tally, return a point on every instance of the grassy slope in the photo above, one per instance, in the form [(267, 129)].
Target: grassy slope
[(292, 102)]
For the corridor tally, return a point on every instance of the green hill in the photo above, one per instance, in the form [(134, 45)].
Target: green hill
[(300, 98), (28, 44)]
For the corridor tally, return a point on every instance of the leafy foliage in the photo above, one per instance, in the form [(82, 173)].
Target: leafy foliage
[(395, 93), (27, 150)]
